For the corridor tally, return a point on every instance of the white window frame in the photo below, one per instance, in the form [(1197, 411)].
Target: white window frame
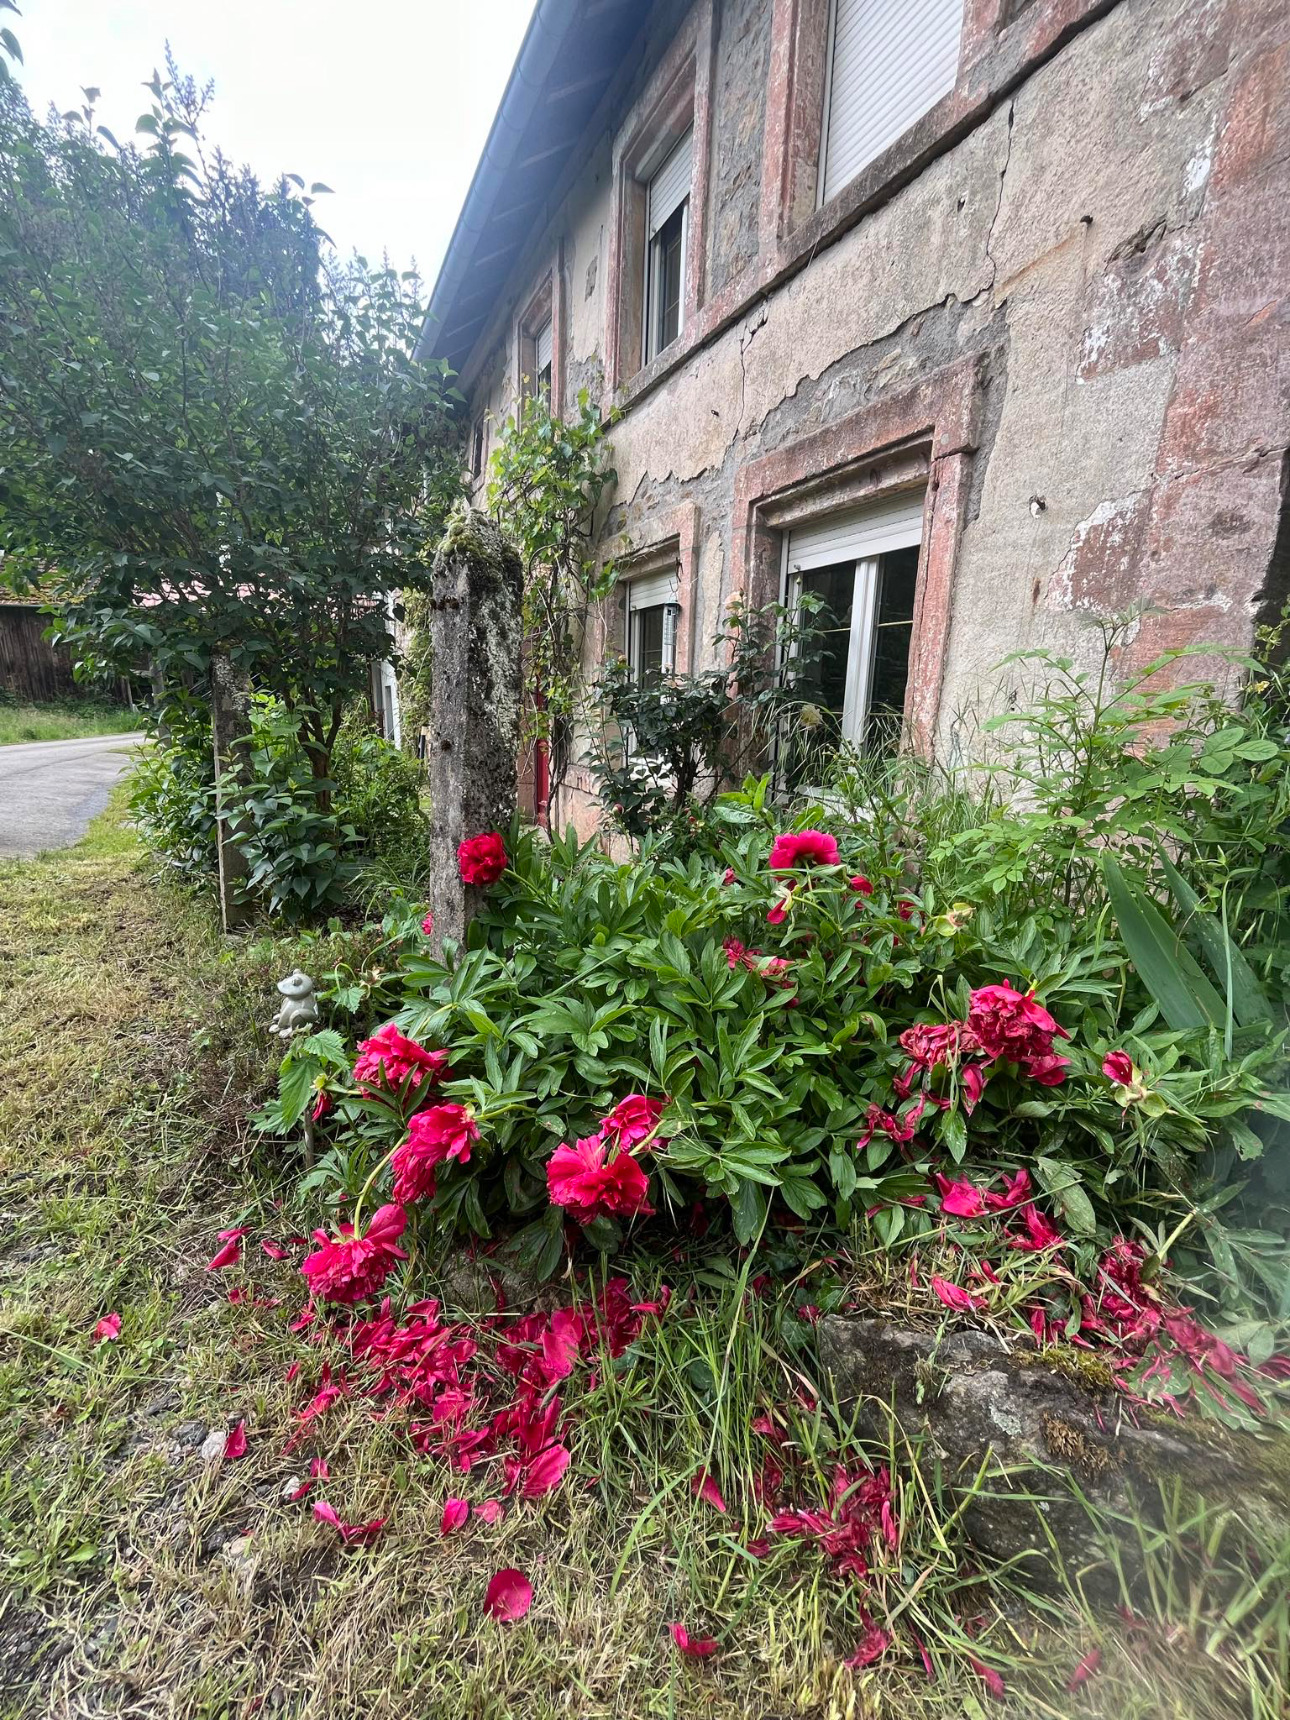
[(878, 529), (653, 591)]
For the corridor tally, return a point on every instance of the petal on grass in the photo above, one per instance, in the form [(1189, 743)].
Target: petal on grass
[(1085, 1670), (108, 1329), (955, 1296), (455, 1513), (988, 1676), (235, 1441), (509, 1595), (229, 1255), (706, 1488), (489, 1511), (697, 1647)]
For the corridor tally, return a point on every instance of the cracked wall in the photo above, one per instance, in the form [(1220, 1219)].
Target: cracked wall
[(1110, 241)]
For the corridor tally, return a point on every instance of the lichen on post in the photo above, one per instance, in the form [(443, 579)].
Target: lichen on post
[(474, 729)]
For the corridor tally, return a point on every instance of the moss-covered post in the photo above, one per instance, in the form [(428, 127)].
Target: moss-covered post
[(474, 728)]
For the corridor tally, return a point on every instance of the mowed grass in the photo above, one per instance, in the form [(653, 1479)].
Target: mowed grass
[(141, 1580), (66, 720)]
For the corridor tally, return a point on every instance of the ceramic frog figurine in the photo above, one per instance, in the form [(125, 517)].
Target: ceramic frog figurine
[(298, 1011)]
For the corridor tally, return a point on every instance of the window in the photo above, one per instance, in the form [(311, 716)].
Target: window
[(542, 356), (667, 212), (477, 439), (862, 565), (652, 611), (889, 61)]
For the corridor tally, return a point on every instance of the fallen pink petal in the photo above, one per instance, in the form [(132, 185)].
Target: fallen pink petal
[(235, 1441), (705, 1488), (455, 1513), (1085, 1670), (108, 1329), (697, 1647), (509, 1595)]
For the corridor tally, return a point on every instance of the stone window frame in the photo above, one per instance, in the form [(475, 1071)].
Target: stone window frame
[(926, 436), (546, 300), (672, 540), (678, 96)]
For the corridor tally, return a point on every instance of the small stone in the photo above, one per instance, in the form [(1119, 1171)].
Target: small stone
[(240, 1558), (213, 1445), (289, 1486), (189, 1433)]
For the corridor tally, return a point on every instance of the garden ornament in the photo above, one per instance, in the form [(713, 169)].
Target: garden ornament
[(298, 1011)]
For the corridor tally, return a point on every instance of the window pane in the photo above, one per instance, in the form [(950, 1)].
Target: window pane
[(895, 625), (647, 628), (667, 268), (824, 679)]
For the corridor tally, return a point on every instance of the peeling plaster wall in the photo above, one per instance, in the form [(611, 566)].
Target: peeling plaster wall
[(1113, 241)]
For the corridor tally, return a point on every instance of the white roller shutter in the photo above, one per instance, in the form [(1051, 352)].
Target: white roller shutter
[(896, 522), (542, 346), (670, 186), (651, 589), (890, 61)]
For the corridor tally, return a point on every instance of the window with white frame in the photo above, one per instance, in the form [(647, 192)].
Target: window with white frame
[(861, 565), (543, 352), (889, 61), (667, 206), (652, 611)]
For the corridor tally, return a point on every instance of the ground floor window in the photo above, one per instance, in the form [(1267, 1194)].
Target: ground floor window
[(652, 612), (862, 566)]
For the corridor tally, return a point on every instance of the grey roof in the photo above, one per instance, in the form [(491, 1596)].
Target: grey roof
[(568, 58)]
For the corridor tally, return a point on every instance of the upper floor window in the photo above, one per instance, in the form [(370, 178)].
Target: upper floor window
[(667, 210), (889, 61)]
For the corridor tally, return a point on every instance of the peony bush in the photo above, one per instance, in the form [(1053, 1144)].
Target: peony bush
[(790, 1029)]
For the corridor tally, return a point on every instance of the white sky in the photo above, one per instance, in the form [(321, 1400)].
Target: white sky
[(388, 102)]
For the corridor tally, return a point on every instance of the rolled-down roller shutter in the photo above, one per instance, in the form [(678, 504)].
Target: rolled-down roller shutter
[(670, 186), (895, 522), (890, 61)]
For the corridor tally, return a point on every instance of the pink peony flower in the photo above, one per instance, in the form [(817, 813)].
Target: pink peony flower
[(509, 1596), (1049, 1070), (632, 1120), (481, 860), (932, 1043), (778, 911), (390, 1056), (108, 1329), (1011, 1024), (1117, 1066), (427, 923), (860, 885), (440, 1133), (1039, 1233), (579, 1179), (1015, 1191), (322, 1104), (697, 1647), (350, 1268), (728, 876), (812, 847)]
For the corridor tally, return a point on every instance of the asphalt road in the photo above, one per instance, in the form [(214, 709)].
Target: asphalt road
[(49, 790)]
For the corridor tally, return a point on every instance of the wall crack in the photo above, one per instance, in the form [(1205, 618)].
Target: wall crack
[(998, 202)]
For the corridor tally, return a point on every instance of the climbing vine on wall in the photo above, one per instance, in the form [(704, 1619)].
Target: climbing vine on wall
[(547, 477)]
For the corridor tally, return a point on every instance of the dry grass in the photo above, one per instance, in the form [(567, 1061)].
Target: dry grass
[(143, 1582)]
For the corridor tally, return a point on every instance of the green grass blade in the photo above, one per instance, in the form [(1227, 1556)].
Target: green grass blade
[(1249, 1001)]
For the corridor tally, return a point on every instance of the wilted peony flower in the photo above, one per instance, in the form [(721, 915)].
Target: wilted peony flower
[(350, 1268), (482, 859), (810, 716), (1012, 1025), (391, 1056), (632, 1120), (809, 847), (579, 1179), (442, 1132)]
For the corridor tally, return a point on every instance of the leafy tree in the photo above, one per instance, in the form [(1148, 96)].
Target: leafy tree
[(214, 438)]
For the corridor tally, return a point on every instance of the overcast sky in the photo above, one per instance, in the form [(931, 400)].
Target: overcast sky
[(388, 102)]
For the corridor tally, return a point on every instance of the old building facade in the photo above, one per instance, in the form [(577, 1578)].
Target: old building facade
[(969, 314)]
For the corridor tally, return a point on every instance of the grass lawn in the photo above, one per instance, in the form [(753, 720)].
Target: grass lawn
[(65, 720), (144, 1578)]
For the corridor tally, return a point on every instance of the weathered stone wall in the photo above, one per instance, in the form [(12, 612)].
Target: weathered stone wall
[(1108, 242), (474, 727)]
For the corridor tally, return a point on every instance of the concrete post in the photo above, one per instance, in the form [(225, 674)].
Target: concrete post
[(474, 727), (229, 724)]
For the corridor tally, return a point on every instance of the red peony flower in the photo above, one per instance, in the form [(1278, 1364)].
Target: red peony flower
[(322, 1104), (427, 924), (482, 859), (350, 1268), (1117, 1066), (728, 876), (442, 1132), (812, 847), (632, 1120), (1011, 1024), (390, 1056), (579, 1179), (860, 885), (1049, 1070), (931, 1043), (778, 911)]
